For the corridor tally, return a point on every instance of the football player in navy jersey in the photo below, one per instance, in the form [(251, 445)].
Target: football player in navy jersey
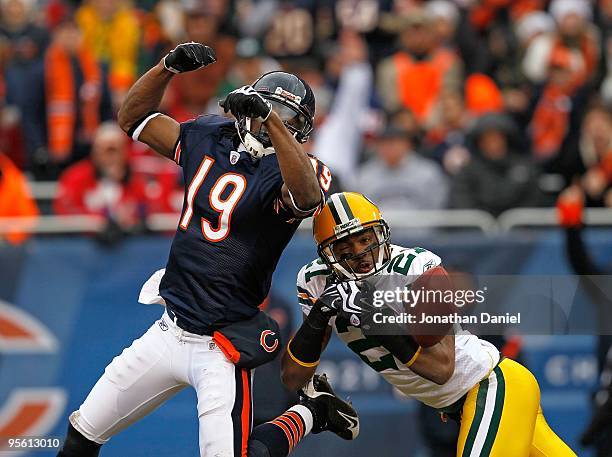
[(248, 184)]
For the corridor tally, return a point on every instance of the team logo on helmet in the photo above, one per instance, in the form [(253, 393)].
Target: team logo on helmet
[(284, 93)]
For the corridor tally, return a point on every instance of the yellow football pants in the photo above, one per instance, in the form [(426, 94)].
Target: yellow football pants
[(502, 417)]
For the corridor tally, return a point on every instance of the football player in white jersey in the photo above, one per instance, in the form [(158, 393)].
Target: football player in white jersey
[(496, 400)]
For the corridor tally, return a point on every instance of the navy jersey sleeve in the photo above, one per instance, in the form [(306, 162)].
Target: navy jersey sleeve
[(324, 178), (194, 132)]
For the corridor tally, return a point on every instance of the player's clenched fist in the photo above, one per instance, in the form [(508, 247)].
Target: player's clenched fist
[(246, 102), (189, 57)]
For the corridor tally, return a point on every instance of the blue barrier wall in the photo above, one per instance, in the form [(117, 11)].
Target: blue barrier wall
[(85, 297)]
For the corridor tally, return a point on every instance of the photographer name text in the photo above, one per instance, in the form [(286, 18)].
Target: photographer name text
[(424, 318)]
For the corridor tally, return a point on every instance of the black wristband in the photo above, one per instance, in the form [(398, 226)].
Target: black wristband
[(403, 347), (305, 347)]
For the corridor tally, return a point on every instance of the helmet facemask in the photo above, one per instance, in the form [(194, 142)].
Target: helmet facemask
[(379, 252), (254, 135)]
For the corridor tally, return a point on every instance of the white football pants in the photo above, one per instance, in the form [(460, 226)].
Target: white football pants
[(156, 366)]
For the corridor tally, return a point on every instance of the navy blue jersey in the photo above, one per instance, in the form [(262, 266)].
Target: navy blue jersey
[(232, 231)]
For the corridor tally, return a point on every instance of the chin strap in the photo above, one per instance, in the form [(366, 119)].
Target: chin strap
[(250, 143)]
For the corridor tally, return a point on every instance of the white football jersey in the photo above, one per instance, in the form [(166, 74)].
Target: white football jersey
[(474, 358)]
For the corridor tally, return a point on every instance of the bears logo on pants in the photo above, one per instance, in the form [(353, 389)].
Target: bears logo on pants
[(265, 345)]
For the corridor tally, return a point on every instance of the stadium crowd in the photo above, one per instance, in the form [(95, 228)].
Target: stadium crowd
[(485, 104)]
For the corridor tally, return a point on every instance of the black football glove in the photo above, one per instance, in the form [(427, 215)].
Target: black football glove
[(189, 57), (246, 102), (348, 297), (331, 299)]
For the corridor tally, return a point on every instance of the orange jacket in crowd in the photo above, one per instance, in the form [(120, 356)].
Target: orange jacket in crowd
[(420, 83), (15, 197), (62, 102)]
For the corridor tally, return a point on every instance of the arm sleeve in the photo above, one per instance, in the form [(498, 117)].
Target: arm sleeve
[(310, 285), (424, 260), (304, 295)]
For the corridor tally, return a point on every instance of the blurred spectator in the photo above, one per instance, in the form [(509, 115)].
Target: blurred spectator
[(594, 157), (531, 26), (104, 185), (154, 38), (399, 178), (405, 119), (292, 31), (575, 33), (605, 27), (497, 178), (112, 32), (22, 45), (558, 105), (420, 71), (15, 198), (253, 16), (193, 93), (338, 141), (484, 13), (75, 96), (444, 19), (453, 31), (447, 140), (249, 65), (170, 16)]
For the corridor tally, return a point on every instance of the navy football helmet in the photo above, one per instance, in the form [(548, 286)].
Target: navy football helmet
[(292, 99)]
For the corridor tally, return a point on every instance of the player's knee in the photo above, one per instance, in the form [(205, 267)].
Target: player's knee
[(76, 445), (257, 449)]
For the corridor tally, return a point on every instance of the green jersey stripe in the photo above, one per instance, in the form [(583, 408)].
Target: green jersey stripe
[(302, 290), (303, 301)]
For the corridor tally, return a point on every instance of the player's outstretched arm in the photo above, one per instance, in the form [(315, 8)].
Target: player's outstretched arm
[(138, 116), (437, 362), (301, 189), (296, 373), (303, 352), (300, 180)]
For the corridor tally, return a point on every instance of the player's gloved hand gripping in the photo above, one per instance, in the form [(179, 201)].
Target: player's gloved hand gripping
[(337, 298), (247, 102), (348, 297), (189, 57)]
